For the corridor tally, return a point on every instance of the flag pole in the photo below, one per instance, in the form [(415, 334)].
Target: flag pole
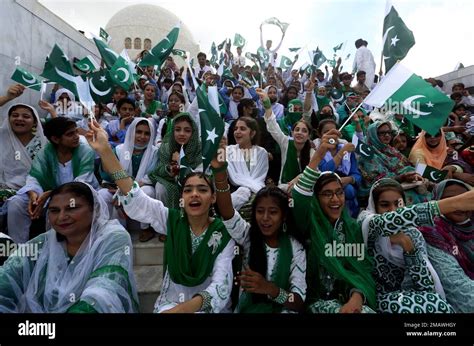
[(350, 116)]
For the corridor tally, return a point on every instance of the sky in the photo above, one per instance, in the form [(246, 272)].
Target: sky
[(443, 29)]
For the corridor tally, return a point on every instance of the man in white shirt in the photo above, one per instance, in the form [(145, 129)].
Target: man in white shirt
[(364, 61), (202, 67), (268, 50), (239, 59)]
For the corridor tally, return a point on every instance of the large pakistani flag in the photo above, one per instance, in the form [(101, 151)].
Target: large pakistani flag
[(159, 53), (403, 92), (397, 38), (27, 79), (58, 69), (212, 125), (108, 55), (275, 21)]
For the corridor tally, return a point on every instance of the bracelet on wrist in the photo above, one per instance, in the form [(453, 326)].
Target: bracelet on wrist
[(220, 169), (227, 189), (281, 298), (119, 175), (267, 104)]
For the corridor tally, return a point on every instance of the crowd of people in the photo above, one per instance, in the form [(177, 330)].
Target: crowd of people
[(289, 216)]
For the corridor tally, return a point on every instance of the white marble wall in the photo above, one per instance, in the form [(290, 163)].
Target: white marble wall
[(28, 34), (464, 75)]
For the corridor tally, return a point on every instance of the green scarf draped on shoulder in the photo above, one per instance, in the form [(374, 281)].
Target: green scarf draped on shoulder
[(280, 277), (350, 270), (184, 267), (292, 166), (45, 165)]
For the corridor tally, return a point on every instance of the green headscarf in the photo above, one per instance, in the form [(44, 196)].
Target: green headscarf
[(193, 156), (184, 267), (350, 270), (45, 165), (290, 118)]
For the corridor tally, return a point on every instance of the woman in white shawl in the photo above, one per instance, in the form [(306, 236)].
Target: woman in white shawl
[(248, 162), (138, 156), (21, 138), (66, 106), (406, 282), (83, 263)]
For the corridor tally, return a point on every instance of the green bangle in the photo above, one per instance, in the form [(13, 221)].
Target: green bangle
[(267, 104), (119, 175), (220, 169)]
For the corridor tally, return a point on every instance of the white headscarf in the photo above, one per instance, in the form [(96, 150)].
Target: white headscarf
[(13, 152), (392, 253), (75, 113), (185, 94), (53, 284), (125, 151)]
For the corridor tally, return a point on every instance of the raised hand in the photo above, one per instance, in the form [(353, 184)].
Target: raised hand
[(97, 138)]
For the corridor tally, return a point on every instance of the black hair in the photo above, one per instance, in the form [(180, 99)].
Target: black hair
[(57, 127), (199, 175), (360, 42), (253, 125), (167, 80), (455, 95), (76, 188), (360, 73), (458, 106), (238, 87), (124, 101), (457, 85), (257, 253), (323, 123), (284, 100), (246, 102), (382, 188), (305, 154), (201, 54), (14, 108), (325, 179)]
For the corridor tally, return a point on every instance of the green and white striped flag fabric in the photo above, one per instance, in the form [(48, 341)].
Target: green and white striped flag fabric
[(239, 41), (28, 79), (402, 92), (87, 64), (397, 38), (109, 56), (162, 50)]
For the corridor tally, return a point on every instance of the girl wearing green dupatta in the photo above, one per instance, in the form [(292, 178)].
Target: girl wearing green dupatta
[(149, 106), (198, 249), (292, 116), (183, 135), (339, 270), (388, 162), (272, 279)]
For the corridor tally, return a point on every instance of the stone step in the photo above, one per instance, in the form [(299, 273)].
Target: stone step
[(149, 253), (149, 279)]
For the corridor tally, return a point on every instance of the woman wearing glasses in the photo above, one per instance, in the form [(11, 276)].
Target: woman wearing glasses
[(388, 162)]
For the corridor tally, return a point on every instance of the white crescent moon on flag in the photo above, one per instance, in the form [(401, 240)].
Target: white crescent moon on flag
[(96, 91), (84, 67), (407, 105), (385, 35), (65, 75), (287, 63), (433, 176), (126, 73), (112, 52), (363, 152), (29, 81), (241, 42)]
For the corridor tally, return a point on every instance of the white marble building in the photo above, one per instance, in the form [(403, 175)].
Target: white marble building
[(139, 27), (29, 32)]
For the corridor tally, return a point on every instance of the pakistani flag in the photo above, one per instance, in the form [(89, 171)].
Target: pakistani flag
[(397, 38), (430, 173), (213, 59), (162, 50), (212, 125), (365, 151), (27, 79), (183, 165), (108, 55), (239, 41), (348, 56), (275, 21), (293, 50), (405, 93), (252, 57), (87, 65), (221, 45), (179, 52), (264, 57), (101, 86), (285, 63), (104, 35), (318, 58), (224, 72), (121, 73), (338, 47)]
